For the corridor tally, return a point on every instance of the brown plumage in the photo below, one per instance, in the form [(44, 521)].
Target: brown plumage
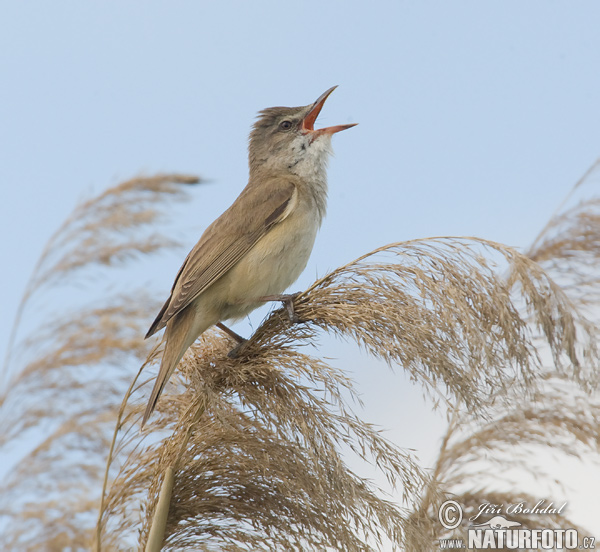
[(261, 244)]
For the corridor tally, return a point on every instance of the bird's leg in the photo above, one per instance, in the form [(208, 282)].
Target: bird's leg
[(231, 333), (240, 340), (288, 302)]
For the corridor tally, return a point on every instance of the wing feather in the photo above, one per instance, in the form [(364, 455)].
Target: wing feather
[(225, 242)]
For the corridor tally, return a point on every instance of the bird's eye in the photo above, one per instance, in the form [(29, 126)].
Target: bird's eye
[(285, 125)]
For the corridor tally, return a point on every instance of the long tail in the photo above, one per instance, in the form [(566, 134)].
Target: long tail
[(181, 332)]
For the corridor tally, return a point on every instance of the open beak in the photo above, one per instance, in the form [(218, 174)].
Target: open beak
[(308, 123)]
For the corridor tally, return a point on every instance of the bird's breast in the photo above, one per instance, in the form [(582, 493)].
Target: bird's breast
[(278, 259)]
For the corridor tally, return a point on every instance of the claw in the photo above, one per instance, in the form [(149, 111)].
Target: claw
[(235, 352), (241, 341), (288, 302)]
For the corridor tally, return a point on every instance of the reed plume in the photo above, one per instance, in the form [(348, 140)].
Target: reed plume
[(62, 384), (438, 308), (489, 460), (253, 453)]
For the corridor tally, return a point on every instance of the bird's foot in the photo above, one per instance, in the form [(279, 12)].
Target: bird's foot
[(240, 340), (288, 302), (235, 352)]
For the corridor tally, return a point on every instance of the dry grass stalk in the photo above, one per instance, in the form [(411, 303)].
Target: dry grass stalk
[(480, 461), (569, 245), (103, 230), (561, 418), (263, 453), (435, 307), (63, 384), (257, 443), (156, 534)]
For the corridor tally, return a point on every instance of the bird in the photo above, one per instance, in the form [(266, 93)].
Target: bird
[(261, 244)]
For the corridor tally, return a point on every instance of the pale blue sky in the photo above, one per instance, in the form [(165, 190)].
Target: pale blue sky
[(475, 118)]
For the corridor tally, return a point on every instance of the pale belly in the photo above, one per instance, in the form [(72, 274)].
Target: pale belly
[(270, 267)]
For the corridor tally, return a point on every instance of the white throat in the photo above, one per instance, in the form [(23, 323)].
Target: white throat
[(310, 157)]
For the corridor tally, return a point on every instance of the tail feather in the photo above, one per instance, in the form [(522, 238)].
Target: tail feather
[(158, 323), (170, 360), (180, 334)]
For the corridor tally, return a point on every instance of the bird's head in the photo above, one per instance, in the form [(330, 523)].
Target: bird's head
[(284, 140)]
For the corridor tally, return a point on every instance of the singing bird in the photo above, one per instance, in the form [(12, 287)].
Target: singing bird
[(259, 246)]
